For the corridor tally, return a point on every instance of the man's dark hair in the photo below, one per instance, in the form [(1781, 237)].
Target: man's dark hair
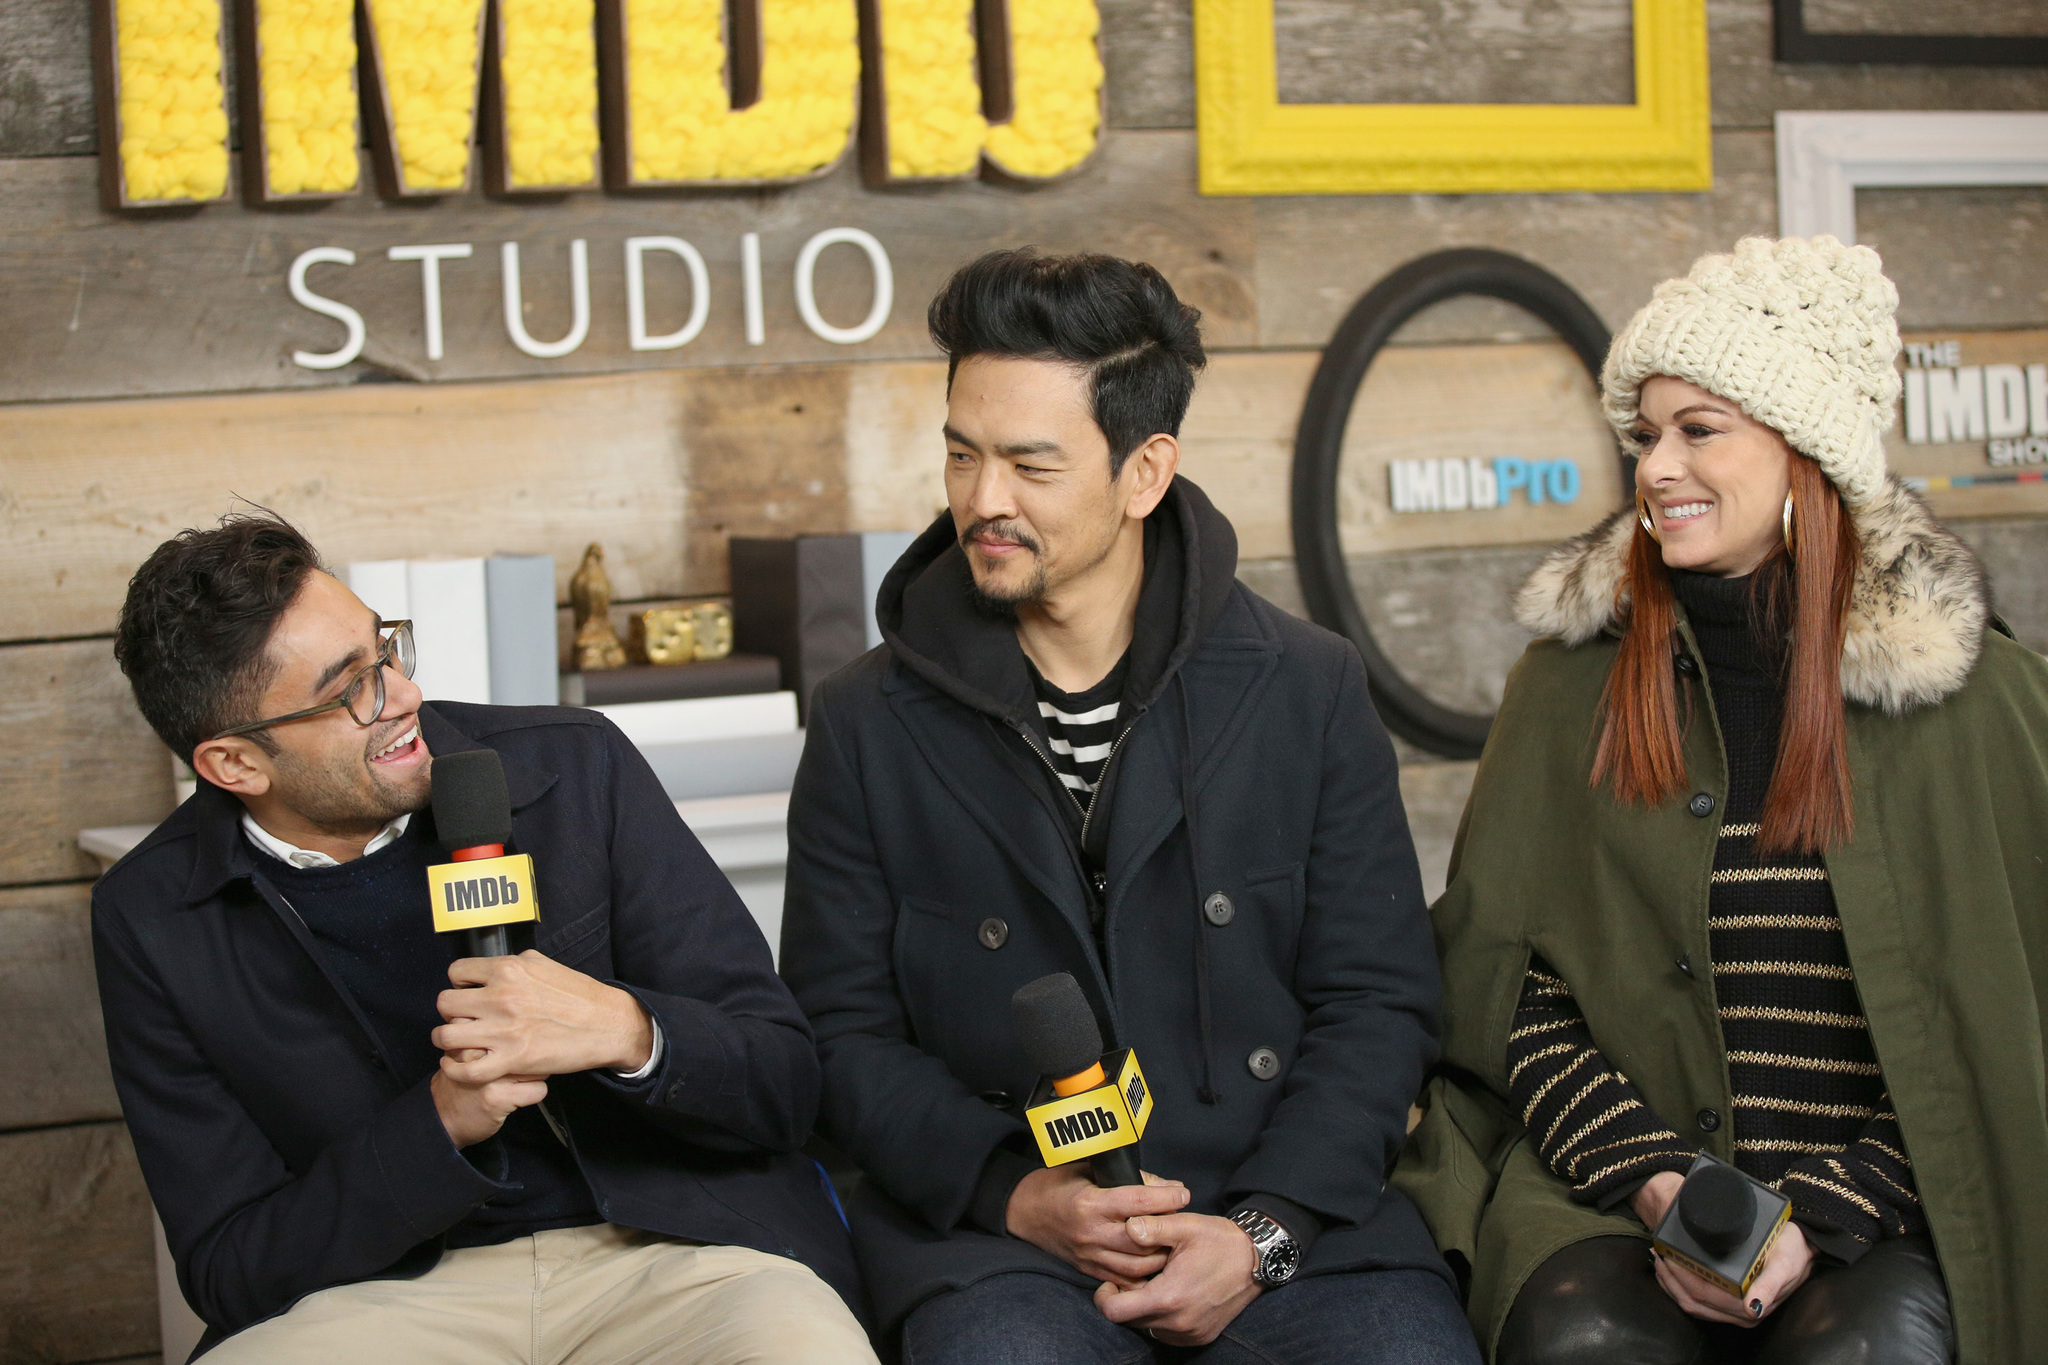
[(196, 625), (1118, 321)]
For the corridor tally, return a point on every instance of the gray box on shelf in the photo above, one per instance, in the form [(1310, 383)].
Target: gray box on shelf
[(520, 597), (879, 551)]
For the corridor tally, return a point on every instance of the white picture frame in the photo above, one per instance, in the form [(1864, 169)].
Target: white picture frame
[(1824, 158)]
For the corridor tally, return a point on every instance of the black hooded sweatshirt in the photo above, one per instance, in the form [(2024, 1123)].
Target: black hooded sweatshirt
[(1259, 934)]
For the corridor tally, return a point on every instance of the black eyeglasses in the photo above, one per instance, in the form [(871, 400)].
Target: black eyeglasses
[(364, 699)]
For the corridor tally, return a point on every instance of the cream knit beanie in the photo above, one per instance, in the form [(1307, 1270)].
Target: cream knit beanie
[(1799, 332)]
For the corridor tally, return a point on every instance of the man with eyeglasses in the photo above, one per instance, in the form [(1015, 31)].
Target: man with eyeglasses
[(364, 1145)]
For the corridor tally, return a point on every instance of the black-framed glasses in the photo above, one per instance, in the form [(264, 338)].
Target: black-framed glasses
[(364, 697)]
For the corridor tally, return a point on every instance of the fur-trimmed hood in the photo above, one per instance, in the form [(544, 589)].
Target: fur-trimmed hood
[(1916, 618)]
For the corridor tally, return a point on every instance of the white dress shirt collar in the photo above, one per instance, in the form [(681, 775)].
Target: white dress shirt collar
[(306, 857)]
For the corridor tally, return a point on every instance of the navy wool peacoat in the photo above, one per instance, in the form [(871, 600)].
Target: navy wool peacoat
[(284, 1153), (1263, 946)]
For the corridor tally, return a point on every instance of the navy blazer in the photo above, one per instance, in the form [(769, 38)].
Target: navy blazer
[(283, 1153)]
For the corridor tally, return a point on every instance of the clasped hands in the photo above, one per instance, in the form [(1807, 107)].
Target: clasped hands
[(512, 1022), (1785, 1269), (1180, 1276)]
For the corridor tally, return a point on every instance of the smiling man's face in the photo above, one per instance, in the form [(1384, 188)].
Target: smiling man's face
[(1027, 478), (330, 772)]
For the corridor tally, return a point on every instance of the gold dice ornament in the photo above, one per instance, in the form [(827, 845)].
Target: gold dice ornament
[(664, 635), (711, 623)]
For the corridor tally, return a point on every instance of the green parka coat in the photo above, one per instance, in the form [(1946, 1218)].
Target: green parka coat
[(1942, 893)]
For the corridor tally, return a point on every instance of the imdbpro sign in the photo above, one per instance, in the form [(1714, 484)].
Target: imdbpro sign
[(626, 94)]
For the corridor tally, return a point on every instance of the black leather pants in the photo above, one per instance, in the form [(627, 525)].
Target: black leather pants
[(1597, 1302)]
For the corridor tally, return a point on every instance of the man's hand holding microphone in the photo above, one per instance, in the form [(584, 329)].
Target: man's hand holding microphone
[(1182, 1277), (512, 1020)]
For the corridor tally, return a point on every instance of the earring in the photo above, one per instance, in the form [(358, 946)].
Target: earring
[(1790, 538), (1643, 516)]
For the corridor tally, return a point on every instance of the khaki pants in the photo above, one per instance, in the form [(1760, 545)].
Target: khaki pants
[(598, 1295)]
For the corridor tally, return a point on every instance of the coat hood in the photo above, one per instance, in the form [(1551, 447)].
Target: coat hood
[(929, 620), (1917, 614)]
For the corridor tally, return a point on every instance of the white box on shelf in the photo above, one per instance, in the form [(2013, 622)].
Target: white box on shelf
[(450, 610), (700, 718), (382, 586)]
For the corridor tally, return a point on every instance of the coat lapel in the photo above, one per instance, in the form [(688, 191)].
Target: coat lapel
[(962, 748), (1224, 682)]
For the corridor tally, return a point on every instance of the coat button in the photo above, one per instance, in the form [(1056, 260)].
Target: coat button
[(1685, 963), (993, 933), (1685, 665), (1263, 1063), (1701, 805), (1218, 910), (675, 1091), (1708, 1120), (998, 1099)]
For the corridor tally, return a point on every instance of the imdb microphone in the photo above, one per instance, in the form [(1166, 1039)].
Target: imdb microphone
[(483, 889), (1088, 1103)]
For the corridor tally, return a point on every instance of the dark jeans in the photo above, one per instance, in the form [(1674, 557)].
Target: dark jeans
[(1373, 1317), (1597, 1302)]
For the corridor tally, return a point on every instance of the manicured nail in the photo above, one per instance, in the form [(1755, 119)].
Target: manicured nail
[(1756, 1308)]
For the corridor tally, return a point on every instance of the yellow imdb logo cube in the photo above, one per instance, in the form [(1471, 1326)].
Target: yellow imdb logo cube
[(483, 892), (1099, 1119)]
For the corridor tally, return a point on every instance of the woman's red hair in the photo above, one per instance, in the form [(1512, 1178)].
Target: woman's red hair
[(1809, 807)]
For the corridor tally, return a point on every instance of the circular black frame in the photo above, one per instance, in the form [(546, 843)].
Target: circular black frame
[(1319, 441)]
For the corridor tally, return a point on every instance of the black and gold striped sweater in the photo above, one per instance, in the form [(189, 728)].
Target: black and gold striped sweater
[(1812, 1116)]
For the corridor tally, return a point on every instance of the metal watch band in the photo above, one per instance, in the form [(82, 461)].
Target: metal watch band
[(1279, 1257)]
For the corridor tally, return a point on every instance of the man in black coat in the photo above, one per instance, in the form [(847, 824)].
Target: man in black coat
[(586, 1152), (1084, 747)]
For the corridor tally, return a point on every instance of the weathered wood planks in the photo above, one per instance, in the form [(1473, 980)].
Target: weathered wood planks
[(661, 467), (74, 752), (1340, 52), (372, 471), (102, 306), (54, 1067), (77, 1267)]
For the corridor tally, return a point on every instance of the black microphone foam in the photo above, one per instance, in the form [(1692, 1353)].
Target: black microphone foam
[(1059, 1030), (1717, 1206), (471, 803)]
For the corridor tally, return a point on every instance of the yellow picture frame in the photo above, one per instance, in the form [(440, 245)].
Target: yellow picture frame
[(1251, 143)]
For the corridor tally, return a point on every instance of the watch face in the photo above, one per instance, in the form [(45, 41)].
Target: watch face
[(1281, 1260)]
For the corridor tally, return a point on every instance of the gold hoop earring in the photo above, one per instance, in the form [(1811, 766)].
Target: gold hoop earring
[(1643, 516), (1790, 538)]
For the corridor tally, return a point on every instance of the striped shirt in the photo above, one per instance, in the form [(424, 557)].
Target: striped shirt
[(1082, 728)]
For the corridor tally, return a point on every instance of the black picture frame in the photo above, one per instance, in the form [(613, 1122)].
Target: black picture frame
[(1793, 43), (1318, 451)]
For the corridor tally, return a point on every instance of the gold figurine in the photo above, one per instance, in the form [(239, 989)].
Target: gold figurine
[(590, 593)]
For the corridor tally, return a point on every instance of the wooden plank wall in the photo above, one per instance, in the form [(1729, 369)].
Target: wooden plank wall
[(145, 378)]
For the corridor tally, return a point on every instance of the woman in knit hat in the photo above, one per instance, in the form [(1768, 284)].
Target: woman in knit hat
[(1755, 865)]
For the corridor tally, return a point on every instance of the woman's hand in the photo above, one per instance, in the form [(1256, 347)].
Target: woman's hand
[(1653, 1199), (1785, 1269)]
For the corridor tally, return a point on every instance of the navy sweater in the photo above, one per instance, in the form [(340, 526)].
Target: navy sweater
[(372, 920)]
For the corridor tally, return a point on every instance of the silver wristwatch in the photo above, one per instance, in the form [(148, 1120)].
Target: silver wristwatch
[(1279, 1255)]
